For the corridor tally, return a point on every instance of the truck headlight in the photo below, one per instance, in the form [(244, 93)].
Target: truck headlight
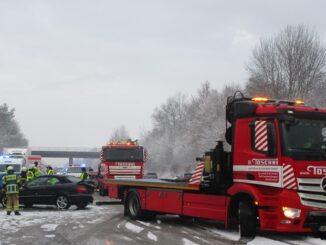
[(291, 213)]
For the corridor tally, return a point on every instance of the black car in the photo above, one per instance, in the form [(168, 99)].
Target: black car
[(62, 191)]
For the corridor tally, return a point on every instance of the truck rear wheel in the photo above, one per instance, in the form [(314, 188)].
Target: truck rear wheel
[(247, 219), (132, 206)]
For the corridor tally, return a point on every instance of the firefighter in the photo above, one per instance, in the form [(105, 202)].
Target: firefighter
[(84, 175), (49, 170), (37, 171), (10, 182), (30, 174), (23, 176)]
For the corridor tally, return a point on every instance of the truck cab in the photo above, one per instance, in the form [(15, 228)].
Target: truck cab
[(121, 160), (279, 163)]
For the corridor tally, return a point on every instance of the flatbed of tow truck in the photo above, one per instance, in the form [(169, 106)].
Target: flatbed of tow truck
[(155, 183)]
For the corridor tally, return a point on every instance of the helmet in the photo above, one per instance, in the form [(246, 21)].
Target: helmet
[(83, 169), (10, 168), (24, 169)]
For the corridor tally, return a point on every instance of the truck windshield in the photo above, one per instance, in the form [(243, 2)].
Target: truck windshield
[(122, 155), (304, 139)]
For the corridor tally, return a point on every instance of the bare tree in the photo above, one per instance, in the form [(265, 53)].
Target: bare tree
[(290, 65)]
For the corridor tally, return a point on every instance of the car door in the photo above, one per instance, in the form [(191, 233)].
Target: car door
[(50, 189), (30, 191)]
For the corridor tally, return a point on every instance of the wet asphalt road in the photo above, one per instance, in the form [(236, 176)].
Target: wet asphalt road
[(105, 224)]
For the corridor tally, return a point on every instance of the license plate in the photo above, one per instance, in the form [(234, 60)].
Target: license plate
[(322, 228)]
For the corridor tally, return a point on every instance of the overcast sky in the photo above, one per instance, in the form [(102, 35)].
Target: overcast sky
[(75, 70)]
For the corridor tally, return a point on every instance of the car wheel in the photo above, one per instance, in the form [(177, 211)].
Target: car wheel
[(3, 201), (62, 202), (247, 219), (82, 205)]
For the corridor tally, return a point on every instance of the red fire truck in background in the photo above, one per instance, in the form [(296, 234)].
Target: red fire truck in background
[(273, 178), (120, 160)]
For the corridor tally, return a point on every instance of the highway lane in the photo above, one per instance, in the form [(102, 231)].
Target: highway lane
[(106, 225)]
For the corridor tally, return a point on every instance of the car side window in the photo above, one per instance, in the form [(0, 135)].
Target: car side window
[(53, 181), (37, 182)]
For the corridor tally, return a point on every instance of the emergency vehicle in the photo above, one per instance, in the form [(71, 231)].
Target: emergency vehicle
[(11, 157), (16, 155), (120, 160), (30, 159), (6, 161), (272, 179)]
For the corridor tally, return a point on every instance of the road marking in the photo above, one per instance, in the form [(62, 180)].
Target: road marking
[(133, 228), (151, 236)]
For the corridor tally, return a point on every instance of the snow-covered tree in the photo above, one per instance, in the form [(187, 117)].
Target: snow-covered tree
[(184, 128), (10, 134)]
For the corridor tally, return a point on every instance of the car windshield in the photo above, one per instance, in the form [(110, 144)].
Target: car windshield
[(73, 179), (16, 167), (123, 154), (304, 139)]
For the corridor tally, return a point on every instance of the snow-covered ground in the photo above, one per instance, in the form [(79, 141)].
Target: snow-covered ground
[(272, 239), (44, 221), (107, 225)]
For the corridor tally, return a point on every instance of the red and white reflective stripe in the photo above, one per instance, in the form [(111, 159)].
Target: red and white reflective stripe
[(289, 181), (196, 176), (104, 169), (261, 143)]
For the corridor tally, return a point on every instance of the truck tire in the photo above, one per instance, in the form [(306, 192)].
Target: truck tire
[(247, 219), (133, 209), (322, 235)]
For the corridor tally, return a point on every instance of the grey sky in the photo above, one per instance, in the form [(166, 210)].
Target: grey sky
[(75, 70)]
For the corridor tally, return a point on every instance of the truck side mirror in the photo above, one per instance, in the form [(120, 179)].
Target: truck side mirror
[(271, 140)]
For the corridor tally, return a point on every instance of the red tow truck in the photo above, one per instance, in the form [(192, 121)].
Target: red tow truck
[(120, 160), (272, 179)]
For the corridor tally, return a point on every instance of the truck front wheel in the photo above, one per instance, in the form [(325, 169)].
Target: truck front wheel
[(247, 219), (133, 209)]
